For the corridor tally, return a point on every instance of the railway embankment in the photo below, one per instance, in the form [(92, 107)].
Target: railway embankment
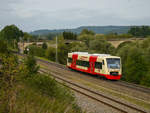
[(128, 95), (119, 92)]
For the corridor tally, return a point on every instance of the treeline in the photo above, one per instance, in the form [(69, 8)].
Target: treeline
[(142, 31), (135, 61), (134, 32)]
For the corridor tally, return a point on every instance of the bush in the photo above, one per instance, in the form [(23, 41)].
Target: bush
[(134, 64), (101, 46), (86, 38), (123, 44), (36, 51), (50, 53), (62, 53), (69, 35), (31, 66), (50, 87), (146, 80), (44, 45), (77, 46), (3, 47)]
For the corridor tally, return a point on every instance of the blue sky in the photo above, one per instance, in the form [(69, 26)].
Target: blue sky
[(31, 15)]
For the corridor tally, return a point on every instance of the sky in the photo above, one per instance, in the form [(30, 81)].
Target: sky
[(30, 15)]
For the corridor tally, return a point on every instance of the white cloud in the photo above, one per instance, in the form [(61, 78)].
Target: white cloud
[(49, 14)]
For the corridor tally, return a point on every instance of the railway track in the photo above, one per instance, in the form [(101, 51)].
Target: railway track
[(133, 86), (122, 83), (95, 93), (117, 105)]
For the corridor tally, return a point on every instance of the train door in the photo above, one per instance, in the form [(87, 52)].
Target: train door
[(92, 61), (74, 58)]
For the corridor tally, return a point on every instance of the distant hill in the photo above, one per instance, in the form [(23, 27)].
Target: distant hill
[(96, 29)]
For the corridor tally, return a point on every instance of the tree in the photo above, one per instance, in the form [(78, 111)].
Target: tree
[(121, 45), (87, 32), (78, 46), (3, 47), (62, 53), (101, 46), (26, 36), (135, 65), (145, 43), (86, 39), (31, 65), (11, 34), (69, 35), (36, 51), (44, 45), (146, 80), (50, 53), (139, 31)]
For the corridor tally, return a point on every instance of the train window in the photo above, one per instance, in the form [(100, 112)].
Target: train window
[(70, 60), (82, 63), (85, 63), (98, 65)]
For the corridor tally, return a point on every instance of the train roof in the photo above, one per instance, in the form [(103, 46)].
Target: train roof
[(95, 54)]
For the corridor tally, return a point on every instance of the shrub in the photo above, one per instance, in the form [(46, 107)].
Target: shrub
[(50, 53), (86, 38), (3, 47), (44, 45), (36, 51), (146, 80), (101, 46), (31, 66), (62, 53), (48, 86), (77, 46), (135, 65)]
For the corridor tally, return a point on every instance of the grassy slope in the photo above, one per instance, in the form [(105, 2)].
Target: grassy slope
[(42, 94)]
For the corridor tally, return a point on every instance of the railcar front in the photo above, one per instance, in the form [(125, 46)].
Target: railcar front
[(113, 68)]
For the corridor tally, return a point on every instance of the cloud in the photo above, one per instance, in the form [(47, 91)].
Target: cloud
[(49, 14)]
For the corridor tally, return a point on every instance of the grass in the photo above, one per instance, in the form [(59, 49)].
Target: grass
[(42, 94), (42, 58), (119, 95), (31, 101), (109, 91)]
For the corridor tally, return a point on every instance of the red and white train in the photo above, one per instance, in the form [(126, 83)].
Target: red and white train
[(96, 64)]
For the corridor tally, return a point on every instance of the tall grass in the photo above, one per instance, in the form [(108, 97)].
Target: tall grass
[(42, 94)]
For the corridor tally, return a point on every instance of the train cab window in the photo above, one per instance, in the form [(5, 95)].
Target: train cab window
[(70, 60), (98, 65)]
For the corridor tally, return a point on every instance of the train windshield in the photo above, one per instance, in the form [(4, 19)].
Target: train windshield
[(113, 63)]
